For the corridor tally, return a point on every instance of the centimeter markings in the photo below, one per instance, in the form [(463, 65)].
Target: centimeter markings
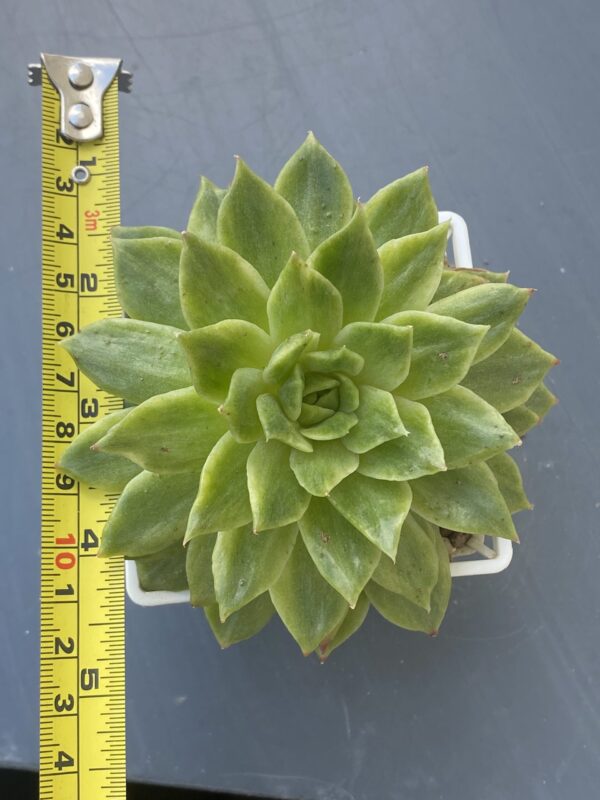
[(82, 665)]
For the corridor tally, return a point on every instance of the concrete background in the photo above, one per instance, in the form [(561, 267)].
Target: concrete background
[(501, 100)]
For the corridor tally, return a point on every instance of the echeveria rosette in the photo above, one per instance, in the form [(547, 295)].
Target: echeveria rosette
[(315, 394)]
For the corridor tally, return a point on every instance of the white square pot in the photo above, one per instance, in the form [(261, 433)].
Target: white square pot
[(482, 556)]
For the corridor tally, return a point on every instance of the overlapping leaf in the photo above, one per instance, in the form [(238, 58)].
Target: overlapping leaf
[(172, 432), (103, 470), (146, 263), (256, 222), (130, 358)]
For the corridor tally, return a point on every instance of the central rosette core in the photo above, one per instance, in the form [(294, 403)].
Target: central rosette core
[(313, 396), (304, 394)]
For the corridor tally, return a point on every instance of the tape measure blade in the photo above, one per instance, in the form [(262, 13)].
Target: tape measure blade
[(82, 665)]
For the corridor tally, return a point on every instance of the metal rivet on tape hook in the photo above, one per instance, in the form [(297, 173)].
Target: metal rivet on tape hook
[(81, 84)]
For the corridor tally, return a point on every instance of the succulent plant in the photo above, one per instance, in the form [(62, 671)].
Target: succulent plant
[(311, 395)]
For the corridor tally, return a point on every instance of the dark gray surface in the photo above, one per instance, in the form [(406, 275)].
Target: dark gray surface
[(501, 99)]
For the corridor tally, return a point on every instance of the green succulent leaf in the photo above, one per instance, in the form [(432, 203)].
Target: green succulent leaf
[(498, 305), (541, 401), (397, 609), (218, 284), (276, 497), (163, 571), (412, 269), (343, 556), (487, 275), (385, 349), (256, 222), (466, 500), (454, 280), (172, 432), (408, 457), (150, 515), (521, 419), (93, 468), (334, 427), (276, 426), (286, 355), (526, 416), (239, 408), (244, 624), (509, 376), (222, 502), (216, 351), (402, 207), (146, 263), (508, 476), (349, 397), (469, 428), (303, 299), (442, 352), (330, 399), (375, 508), (378, 421), (414, 573), (350, 624), (349, 260), (246, 564), (314, 382), (311, 414), (198, 568), (133, 359), (320, 471), (318, 190), (308, 606), (291, 393), (340, 359), (202, 221)]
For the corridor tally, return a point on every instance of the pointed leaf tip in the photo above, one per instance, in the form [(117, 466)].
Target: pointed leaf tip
[(259, 224), (317, 189), (303, 299)]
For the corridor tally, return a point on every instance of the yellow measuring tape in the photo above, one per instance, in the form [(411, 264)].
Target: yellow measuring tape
[(82, 671)]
